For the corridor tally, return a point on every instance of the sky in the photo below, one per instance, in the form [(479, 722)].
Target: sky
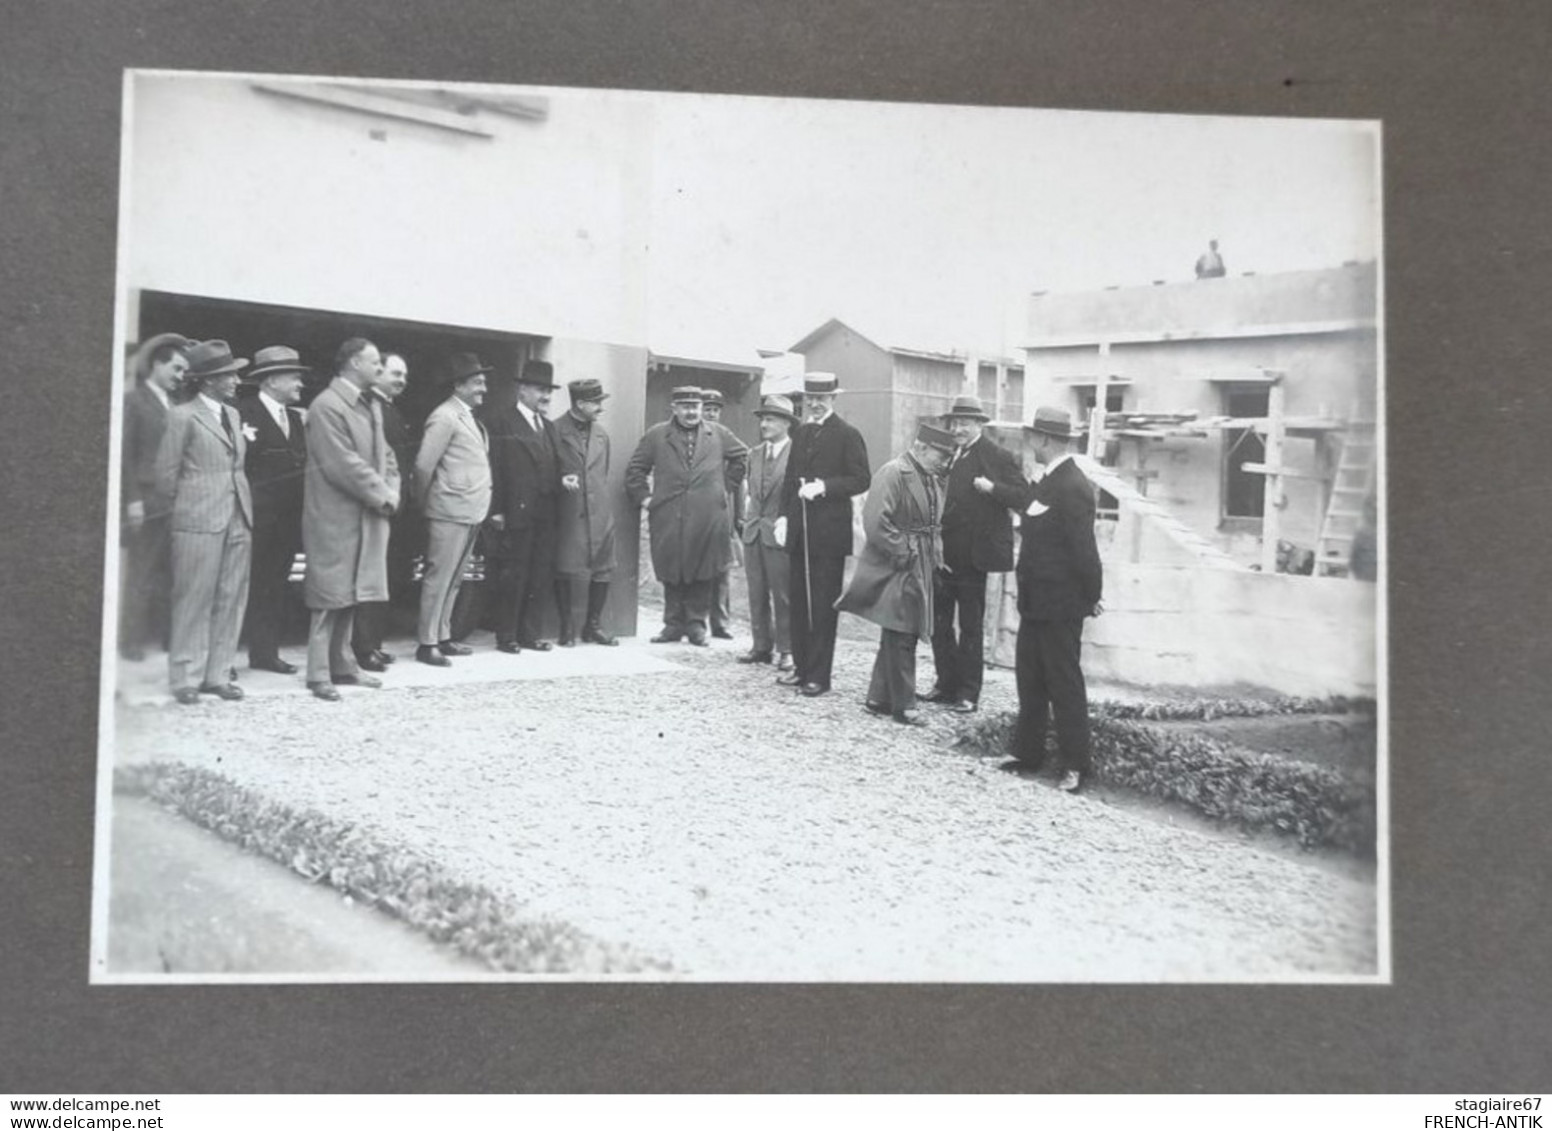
[(929, 226)]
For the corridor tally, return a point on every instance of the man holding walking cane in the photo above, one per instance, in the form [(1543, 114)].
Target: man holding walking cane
[(827, 466)]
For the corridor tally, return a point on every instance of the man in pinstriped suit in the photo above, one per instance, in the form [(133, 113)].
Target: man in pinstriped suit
[(199, 468)]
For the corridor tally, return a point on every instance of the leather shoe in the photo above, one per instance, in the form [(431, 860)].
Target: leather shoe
[(510, 647), (963, 707), (277, 665), (370, 663), (535, 645), (428, 654), (784, 662), (813, 689), (324, 691), (453, 648), (790, 679), (698, 638), (666, 637), (356, 680), (567, 640), (753, 657), (722, 634), (1072, 782), (1020, 768), (592, 634), (384, 657), (938, 695), (875, 708), (910, 719), (187, 696), (227, 691)]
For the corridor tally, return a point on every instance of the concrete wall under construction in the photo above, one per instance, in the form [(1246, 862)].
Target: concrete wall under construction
[(1208, 628)]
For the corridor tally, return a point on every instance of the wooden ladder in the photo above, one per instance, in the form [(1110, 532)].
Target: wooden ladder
[(1349, 492)]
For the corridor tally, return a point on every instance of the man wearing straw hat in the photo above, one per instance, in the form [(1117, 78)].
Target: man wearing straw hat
[(453, 482), (584, 551), (977, 540), (683, 470), (1059, 584), (276, 463), (893, 582), (828, 465), (765, 562), (157, 367), (199, 469)]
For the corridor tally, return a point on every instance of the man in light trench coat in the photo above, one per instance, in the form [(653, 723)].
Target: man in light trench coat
[(585, 528), (351, 492), (694, 467), (892, 585)]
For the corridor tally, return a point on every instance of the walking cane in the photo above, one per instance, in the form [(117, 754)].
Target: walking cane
[(808, 577)]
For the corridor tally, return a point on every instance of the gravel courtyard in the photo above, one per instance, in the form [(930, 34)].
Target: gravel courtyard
[(695, 811)]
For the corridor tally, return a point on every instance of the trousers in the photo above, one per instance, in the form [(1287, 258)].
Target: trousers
[(894, 671), (1050, 683), (813, 630), (960, 662)]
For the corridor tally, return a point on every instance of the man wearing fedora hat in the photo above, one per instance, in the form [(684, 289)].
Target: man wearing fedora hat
[(827, 467), (525, 473), (351, 492), (157, 367), (452, 480), (1059, 584), (584, 551), (892, 585), (199, 469), (977, 540), (276, 463), (765, 562), (712, 404), (683, 471), (405, 535)]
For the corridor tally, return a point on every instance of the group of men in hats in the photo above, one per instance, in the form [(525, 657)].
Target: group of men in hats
[(228, 495)]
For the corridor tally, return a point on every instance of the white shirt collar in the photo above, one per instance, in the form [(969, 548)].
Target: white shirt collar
[(215, 406), (779, 446), (161, 393), (529, 415), (276, 409), (1055, 463), (816, 423)]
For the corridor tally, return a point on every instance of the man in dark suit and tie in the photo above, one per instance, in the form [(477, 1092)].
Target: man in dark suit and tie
[(276, 464), (405, 535), (157, 367), (1059, 584), (765, 562), (199, 467), (977, 540), (827, 467), (525, 475)]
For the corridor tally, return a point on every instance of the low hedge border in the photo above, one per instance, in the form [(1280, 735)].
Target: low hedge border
[(481, 923), (1226, 783), (1207, 709)]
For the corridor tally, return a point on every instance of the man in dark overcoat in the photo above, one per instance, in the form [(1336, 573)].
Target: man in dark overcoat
[(827, 467), (892, 585), (276, 463), (765, 562), (584, 553), (157, 368), (684, 471), (525, 478), (1060, 582), (406, 531), (350, 494), (977, 540)]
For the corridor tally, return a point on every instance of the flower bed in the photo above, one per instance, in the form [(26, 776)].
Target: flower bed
[(479, 922)]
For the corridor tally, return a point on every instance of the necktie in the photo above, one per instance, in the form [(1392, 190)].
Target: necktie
[(226, 426), (283, 418)]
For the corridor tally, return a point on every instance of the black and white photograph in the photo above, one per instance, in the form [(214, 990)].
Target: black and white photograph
[(611, 535)]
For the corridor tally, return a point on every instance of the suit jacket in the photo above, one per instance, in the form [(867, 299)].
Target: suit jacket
[(688, 507), (401, 441), (524, 467), (585, 537), (145, 420), (452, 471), (1059, 574), (352, 476), (892, 584), (977, 529), (275, 463), (764, 484), (200, 469), (835, 452)]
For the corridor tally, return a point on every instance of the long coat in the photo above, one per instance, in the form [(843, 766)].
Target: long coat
[(892, 584), (524, 468), (835, 452), (584, 544), (977, 529), (1059, 573), (688, 508), (351, 476), (766, 477)]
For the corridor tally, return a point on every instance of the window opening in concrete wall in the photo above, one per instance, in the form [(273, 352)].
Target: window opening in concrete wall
[(1013, 396), (1244, 492)]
